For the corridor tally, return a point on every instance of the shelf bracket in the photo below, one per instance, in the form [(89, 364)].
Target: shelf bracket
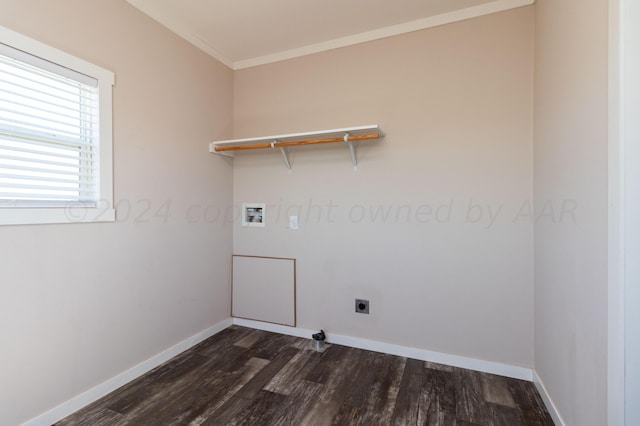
[(352, 150), (285, 155)]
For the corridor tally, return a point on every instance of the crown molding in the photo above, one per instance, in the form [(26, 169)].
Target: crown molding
[(407, 27), (174, 25)]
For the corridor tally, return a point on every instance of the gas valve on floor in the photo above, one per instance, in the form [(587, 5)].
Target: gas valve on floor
[(318, 341)]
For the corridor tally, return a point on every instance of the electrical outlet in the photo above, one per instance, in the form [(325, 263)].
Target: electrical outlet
[(362, 306)]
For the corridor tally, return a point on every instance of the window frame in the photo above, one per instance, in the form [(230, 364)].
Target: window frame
[(104, 210)]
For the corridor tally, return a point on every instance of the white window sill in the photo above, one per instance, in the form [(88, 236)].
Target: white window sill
[(17, 216)]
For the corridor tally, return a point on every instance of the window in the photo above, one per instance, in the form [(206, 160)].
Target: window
[(55, 135)]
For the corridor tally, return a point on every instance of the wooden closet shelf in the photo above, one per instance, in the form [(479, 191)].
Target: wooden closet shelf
[(284, 142)]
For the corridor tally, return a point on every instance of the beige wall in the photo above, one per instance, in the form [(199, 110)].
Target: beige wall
[(455, 103), (571, 163), (82, 303), (449, 268)]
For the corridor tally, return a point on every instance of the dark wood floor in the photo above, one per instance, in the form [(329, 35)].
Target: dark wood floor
[(249, 377)]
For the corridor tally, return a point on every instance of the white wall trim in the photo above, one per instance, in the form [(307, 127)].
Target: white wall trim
[(407, 27), (548, 402), (628, 155), (174, 25), (507, 370), (97, 392), (616, 224)]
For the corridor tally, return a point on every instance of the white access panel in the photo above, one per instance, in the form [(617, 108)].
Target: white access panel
[(264, 289)]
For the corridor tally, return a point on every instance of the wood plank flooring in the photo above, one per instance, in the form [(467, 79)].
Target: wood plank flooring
[(249, 377)]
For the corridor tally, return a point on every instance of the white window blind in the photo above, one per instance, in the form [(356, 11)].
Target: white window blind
[(49, 133)]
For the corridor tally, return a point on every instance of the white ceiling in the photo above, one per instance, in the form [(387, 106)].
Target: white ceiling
[(245, 33)]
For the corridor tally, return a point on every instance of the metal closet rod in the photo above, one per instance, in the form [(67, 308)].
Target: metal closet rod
[(276, 144)]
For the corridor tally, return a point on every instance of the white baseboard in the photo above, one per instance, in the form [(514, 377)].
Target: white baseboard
[(97, 392), (507, 370), (548, 402)]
